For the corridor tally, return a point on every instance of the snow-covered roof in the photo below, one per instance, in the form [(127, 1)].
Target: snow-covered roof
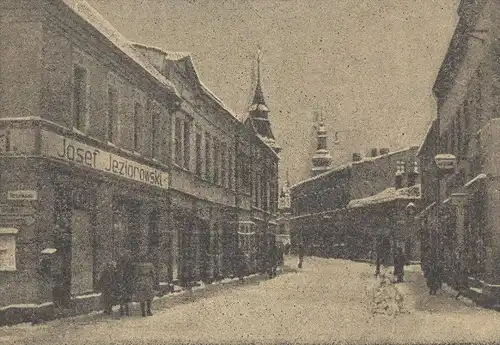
[(350, 164), (98, 22), (427, 133), (475, 179), (388, 195)]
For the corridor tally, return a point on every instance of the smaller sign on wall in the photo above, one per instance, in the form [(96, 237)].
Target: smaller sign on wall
[(22, 195)]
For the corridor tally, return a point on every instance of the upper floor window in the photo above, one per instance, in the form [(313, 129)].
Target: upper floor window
[(208, 156), (223, 163), (178, 141), (79, 97), (187, 144), (216, 168), (230, 169), (137, 125), (112, 113), (155, 125), (198, 143)]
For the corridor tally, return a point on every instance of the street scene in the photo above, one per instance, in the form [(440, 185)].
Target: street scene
[(326, 301), (258, 171)]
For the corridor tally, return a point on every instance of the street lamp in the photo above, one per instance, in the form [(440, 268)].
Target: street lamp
[(446, 164)]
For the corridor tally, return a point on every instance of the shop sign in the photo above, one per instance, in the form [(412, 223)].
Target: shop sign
[(62, 148), (22, 195), (16, 210), (16, 219)]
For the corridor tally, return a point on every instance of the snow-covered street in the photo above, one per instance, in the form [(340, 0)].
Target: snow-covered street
[(326, 301)]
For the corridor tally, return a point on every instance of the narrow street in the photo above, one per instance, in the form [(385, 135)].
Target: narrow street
[(327, 300)]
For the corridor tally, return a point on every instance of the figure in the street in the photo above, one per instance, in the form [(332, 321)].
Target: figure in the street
[(108, 286), (125, 281), (399, 265), (144, 285), (301, 254), (272, 260), (377, 265), (434, 277), (240, 263)]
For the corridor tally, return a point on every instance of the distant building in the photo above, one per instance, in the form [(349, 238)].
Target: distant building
[(321, 159), (284, 213), (340, 212)]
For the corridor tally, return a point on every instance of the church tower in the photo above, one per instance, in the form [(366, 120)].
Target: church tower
[(322, 159), (259, 113)]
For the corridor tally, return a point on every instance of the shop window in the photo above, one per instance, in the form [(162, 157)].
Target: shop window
[(79, 97), (137, 125), (8, 249), (198, 168), (178, 141), (187, 144)]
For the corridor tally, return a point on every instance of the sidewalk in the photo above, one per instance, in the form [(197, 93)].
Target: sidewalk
[(179, 296)]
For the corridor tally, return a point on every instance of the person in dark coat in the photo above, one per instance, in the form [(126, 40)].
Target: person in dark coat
[(108, 286), (301, 254), (125, 281), (144, 285), (434, 277), (399, 264), (272, 260), (240, 263)]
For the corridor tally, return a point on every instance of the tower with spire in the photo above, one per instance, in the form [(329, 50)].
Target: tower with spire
[(259, 112), (322, 159)]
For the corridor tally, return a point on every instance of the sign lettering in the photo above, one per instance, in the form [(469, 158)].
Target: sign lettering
[(57, 146), (22, 195)]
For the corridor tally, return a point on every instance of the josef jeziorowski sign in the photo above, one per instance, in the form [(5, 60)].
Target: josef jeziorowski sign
[(66, 149)]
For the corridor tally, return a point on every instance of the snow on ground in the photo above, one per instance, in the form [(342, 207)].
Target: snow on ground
[(325, 301)]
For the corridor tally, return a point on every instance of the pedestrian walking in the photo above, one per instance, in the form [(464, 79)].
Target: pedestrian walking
[(125, 281), (107, 285), (272, 260), (399, 264), (434, 277), (144, 285), (240, 263), (301, 254)]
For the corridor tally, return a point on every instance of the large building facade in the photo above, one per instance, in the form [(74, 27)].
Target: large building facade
[(339, 213), (466, 89), (108, 145)]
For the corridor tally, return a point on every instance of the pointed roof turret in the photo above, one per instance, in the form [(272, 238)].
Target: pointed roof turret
[(322, 159), (259, 112)]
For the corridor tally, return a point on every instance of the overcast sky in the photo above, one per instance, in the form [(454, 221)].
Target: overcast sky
[(367, 65)]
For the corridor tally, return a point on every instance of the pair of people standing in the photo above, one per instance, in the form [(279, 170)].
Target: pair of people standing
[(119, 283)]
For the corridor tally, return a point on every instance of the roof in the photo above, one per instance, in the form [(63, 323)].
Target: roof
[(388, 195), (98, 22), (428, 135), (178, 56), (468, 11), (351, 164)]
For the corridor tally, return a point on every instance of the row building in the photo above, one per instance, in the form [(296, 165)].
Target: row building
[(459, 222), (353, 210), (107, 145)]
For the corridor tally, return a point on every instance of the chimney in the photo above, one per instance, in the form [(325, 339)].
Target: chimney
[(384, 151), (356, 157), (374, 152), (412, 175)]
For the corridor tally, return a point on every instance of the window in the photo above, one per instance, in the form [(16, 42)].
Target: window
[(216, 176), (208, 156), (178, 141), (198, 169), (137, 125), (187, 146), (8, 249), (230, 169), (223, 162), (155, 125), (79, 97), (112, 113)]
